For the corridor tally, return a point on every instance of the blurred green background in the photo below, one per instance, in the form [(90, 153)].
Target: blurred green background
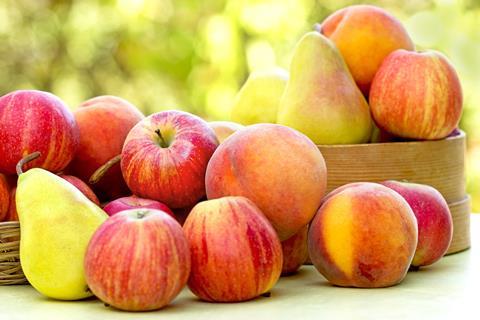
[(194, 55)]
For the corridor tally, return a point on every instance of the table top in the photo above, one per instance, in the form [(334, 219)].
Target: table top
[(447, 289)]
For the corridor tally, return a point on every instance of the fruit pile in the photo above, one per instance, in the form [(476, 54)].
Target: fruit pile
[(220, 207)]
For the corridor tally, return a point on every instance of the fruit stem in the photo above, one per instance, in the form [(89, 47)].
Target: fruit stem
[(100, 172), (163, 143), (25, 160), (141, 214)]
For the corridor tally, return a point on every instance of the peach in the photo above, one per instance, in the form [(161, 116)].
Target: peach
[(278, 168), (235, 252), (416, 95), (435, 226), (295, 252), (224, 129), (104, 123), (363, 236), (365, 35)]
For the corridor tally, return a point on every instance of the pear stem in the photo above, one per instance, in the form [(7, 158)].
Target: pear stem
[(163, 143), (25, 160), (100, 172)]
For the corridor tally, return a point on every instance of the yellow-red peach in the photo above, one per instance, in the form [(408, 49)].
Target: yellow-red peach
[(295, 252), (363, 236)]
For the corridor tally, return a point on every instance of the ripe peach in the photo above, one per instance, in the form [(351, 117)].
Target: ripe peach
[(295, 252)]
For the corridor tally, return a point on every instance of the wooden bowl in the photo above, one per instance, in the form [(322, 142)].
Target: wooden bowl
[(439, 163), (10, 269)]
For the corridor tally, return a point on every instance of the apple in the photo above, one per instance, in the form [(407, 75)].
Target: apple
[(236, 254), (224, 129), (435, 225), (165, 157), (32, 121), (416, 95), (4, 197), (363, 235), (83, 187), (104, 123), (295, 252), (12, 214), (137, 260), (134, 202), (278, 168)]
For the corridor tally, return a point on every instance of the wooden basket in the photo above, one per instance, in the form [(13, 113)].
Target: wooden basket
[(439, 163), (10, 269)]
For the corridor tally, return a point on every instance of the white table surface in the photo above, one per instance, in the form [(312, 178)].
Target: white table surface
[(449, 289)]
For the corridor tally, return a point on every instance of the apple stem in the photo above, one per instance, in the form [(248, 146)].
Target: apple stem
[(163, 143), (100, 172), (141, 214), (25, 160)]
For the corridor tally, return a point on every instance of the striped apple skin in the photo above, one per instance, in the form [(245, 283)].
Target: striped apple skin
[(4, 197), (416, 95), (236, 254), (174, 175), (32, 121), (364, 236), (138, 264)]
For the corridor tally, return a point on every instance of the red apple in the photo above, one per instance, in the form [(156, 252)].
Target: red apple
[(4, 197), (83, 187), (224, 129), (165, 157), (435, 226), (12, 214), (137, 260), (104, 123), (416, 95), (236, 254), (32, 121), (134, 202), (295, 252)]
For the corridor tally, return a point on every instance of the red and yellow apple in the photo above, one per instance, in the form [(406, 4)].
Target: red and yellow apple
[(224, 129), (134, 202), (83, 187), (12, 214), (435, 226), (416, 95), (33, 121), (363, 236), (236, 254), (4, 197), (365, 35), (137, 260), (278, 168), (165, 157), (104, 123), (295, 252)]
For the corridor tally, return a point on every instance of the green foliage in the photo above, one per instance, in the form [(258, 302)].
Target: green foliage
[(194, 55)]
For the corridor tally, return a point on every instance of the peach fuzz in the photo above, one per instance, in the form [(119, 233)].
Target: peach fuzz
[(363, 236), (365, 35), (278, 168)]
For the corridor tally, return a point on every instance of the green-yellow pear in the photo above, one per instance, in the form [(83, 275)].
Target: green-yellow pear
[(56, 223), (258, 99), (321, 99)]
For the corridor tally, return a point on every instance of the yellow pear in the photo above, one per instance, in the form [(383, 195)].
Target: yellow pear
[(56, 223), (321, 99), (258, 99)]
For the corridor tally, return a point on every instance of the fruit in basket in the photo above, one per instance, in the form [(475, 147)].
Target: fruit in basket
[(236, 254), (365, 35), (4, 197), (138, 260), (83, 187), (104, 123), (295, 252), (32, 121), (276, 167), (12, 214), (416, 95), (258, 99), (435, 226), (321, 99), (224, 129), (165, 156), (57, 221), (134, 202), (365, 236)]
